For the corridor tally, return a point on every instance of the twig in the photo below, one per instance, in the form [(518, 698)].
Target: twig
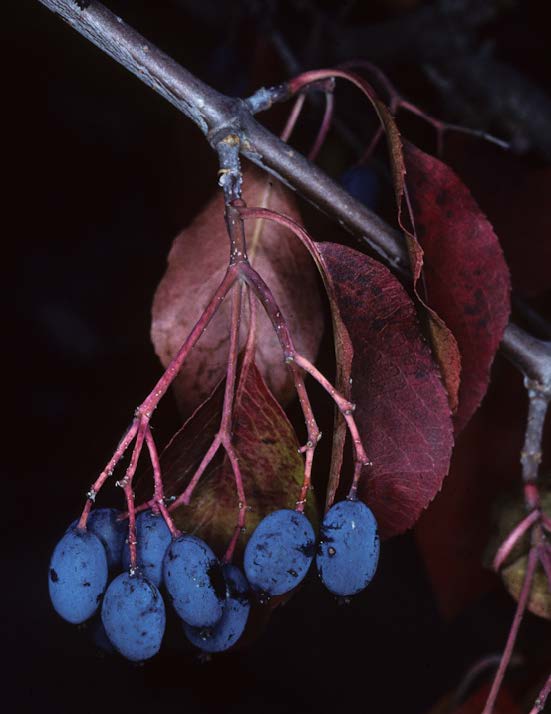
[(538, 402), (212, 112)]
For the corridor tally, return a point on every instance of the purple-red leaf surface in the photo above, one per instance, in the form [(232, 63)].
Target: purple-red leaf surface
[(466, 277), (401, 405)]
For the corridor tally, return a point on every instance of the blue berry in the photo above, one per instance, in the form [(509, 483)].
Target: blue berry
[(230, 627), (112, 533), (78, 575), (133, 614), (348, 551), (362, 183), (194, 580), (153, 538), (279, 552)]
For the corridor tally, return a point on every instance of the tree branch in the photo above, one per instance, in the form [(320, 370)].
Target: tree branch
[(217, 115)]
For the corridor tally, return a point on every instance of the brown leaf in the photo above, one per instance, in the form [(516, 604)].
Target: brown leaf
[(196, 264), (444, 343), (509, 514)]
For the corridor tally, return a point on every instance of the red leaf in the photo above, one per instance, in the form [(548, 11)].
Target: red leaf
[(466, 278), (267, 449), (402, 408), (196, 264)]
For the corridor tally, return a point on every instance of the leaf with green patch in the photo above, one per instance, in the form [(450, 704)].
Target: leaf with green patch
[(267, 448)]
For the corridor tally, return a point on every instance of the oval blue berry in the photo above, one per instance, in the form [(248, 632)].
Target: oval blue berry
[(230, 627), (194, 580), (348, 551), (77, 575), (279, 552), (153, 538), (133, 614)]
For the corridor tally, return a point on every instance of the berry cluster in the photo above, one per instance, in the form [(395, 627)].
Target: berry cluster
[(213, 599)]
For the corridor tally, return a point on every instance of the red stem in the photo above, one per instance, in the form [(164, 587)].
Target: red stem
[(266, 298), (511, 639), (302, 235), (108, 471), (248, 359), (346, 408), (325, 126), (145, 410), (238, 257), (294, 359), (150, 403), (158, 503), (509, 543), (293, 118), (539, 704), (317, 75), (126, 484), (224, 436), (397, 102)]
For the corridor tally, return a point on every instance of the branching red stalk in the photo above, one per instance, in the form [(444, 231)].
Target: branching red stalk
[(294, 359), (511, 639), (266, 298), (309, 244), (126, 485), (158, 503), (108, 471), (396, 102), (223, 436), (145, 410), (227, 415), (238, 257)]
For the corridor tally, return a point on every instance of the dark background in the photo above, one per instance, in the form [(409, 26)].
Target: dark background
[(102, 174)]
